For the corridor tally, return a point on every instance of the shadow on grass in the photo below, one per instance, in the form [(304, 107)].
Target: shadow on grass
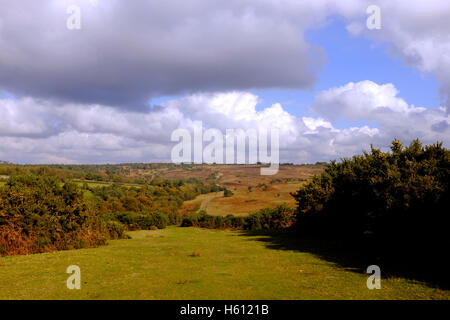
[(354, 258)]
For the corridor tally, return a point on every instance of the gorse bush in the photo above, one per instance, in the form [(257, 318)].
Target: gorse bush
[(227, 193), (40, 214), (279, 217), (396, 204), (116, 229), (266, 219), (141, 221)]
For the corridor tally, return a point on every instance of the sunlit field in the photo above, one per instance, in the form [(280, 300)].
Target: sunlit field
[(190, 263)]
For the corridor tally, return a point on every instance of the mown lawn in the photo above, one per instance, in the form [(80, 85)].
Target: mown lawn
[(189, 263)]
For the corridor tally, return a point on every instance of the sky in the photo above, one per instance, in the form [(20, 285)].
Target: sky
[(116, 88)]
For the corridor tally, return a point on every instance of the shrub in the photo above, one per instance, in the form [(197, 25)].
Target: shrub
[(270, 218), (396, 202), (187, 222), (144, 221), (40, 214), (116, 230), (227, 193)]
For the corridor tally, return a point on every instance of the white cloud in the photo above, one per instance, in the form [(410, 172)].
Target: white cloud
[(372, 102), (362, 100), (50, 132), (314, 123)]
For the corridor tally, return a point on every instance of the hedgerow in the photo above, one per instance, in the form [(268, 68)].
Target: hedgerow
[(266, 219)]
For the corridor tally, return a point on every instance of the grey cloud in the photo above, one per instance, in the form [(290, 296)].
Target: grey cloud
[(130, 51), (441, 126)]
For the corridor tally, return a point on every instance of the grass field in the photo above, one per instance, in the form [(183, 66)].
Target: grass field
[(189, 263)]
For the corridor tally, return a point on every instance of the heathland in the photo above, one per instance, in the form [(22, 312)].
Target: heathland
[(166, 231)]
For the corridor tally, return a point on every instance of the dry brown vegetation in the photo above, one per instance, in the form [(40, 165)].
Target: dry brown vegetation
[(251, 190), (238, 175), (244, 202)]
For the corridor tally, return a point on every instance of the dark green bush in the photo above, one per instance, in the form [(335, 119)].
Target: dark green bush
[(396, 204), (144, 221), (271, 218), (227, 193)]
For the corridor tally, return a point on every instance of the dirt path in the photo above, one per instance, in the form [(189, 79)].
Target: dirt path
[(208, 199), (202, 201)]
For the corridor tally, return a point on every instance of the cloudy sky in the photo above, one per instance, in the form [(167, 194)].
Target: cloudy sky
[(114, 90)]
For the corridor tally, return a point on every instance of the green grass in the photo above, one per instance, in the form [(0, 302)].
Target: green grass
[(96, 184), (92, 184), (189, 263)]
